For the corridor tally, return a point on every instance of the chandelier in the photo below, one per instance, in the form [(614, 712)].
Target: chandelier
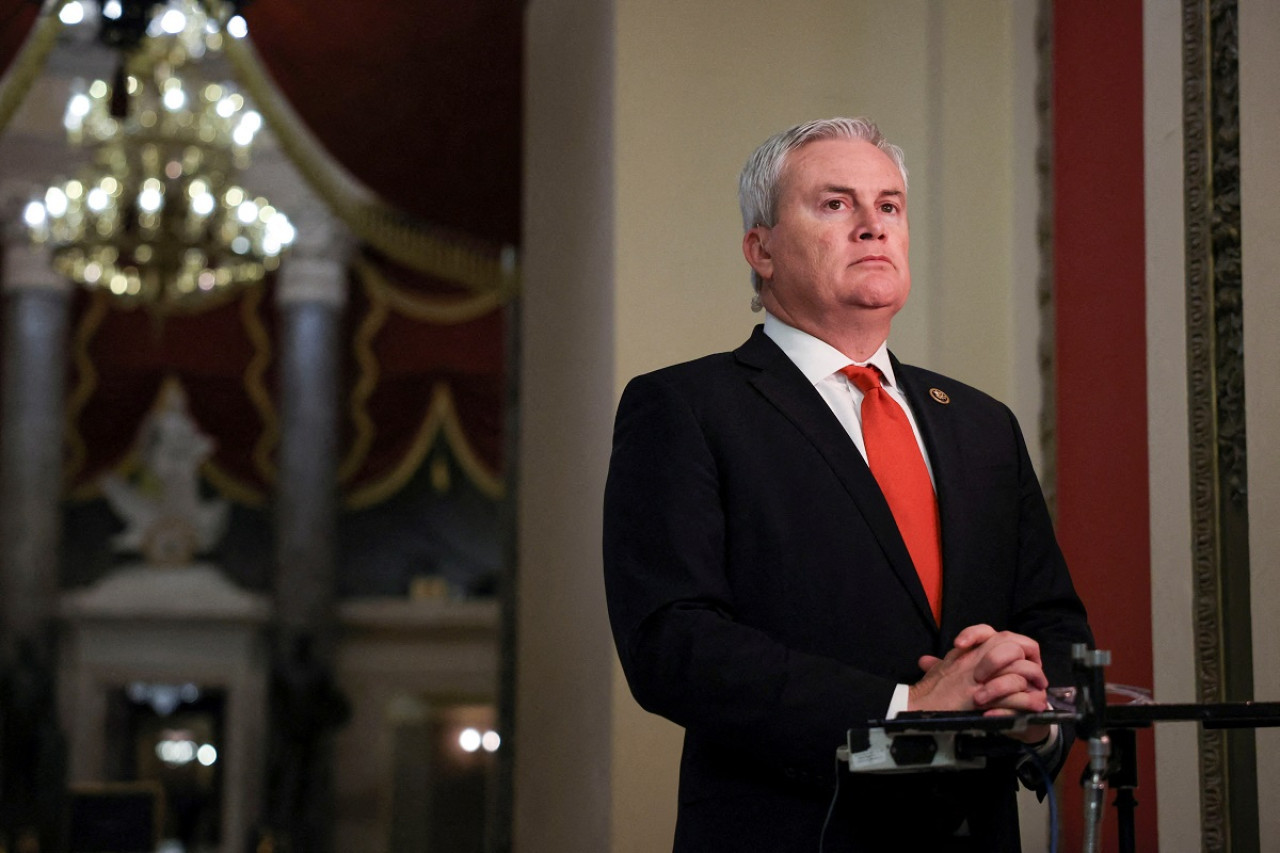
[(155, 217)]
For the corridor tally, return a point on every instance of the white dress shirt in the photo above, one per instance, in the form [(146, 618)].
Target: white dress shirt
[(821, 363)]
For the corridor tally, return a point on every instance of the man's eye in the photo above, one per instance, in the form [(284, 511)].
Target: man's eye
[(835, 204), (888, 208)]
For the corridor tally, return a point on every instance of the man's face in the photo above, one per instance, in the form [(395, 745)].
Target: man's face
[(839, 243)]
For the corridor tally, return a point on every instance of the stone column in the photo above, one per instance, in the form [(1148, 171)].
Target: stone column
[(306, 705), (31, 408), (311, 293)]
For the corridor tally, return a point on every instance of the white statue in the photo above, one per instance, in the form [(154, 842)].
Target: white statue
[(165, 517)]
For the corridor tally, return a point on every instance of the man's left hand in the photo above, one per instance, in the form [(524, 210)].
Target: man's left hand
[(1008, 672)]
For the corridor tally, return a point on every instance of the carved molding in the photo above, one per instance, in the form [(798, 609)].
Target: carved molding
[(1215, 379), (1044, 239)]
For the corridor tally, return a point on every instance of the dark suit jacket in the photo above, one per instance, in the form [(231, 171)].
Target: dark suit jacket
[(761, 595)]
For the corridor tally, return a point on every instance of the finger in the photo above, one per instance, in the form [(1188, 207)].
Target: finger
[(928, 662), (988, 670), (995, 655), (1029, 646), (995, 691), (1030, 701), (974, 635)]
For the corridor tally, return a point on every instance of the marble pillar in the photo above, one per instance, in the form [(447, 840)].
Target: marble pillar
[(31, 406), (35, 330), (306, 706), (311, 294)]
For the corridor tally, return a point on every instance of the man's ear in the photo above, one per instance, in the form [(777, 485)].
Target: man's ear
[(756, 253)]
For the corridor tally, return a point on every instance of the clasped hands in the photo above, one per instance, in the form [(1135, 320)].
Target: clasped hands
[(998, 672)]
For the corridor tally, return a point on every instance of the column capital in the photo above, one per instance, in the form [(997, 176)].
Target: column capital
[(315, 269)]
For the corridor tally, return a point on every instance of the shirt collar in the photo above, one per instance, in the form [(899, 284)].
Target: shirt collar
[(816, 358)]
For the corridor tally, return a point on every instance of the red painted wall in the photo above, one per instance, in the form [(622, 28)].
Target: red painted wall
[(1099, 277)]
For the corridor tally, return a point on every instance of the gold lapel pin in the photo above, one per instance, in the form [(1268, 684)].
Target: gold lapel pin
[(939, 395)]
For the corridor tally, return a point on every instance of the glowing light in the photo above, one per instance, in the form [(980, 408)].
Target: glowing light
[(176, 752), (72, 13), (55, 201), (34, 214), (79, 105), (202, 205), (98, 200), (175, 99), (112, 9), (491, 741), (281, 229), (173, 22), (207, 754), (237, 27), (151, 199), (469, 740)]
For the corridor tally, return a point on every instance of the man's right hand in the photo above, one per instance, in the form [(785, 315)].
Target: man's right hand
[(986, 670)]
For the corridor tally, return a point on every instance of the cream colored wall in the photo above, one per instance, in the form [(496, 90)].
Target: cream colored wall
[(639, 116), (1177, 763), (1260, 222), (692, 102)]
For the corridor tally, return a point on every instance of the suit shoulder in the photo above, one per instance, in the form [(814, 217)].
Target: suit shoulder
[(697, 372), (928, 380)]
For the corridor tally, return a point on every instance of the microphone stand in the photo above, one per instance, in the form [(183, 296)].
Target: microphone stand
[(928, 741), (1091, 706)]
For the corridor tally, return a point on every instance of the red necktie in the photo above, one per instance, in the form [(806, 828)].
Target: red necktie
[(898, 466)]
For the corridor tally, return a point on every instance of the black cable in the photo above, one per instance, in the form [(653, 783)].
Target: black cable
[(1050, 794), (822, 837)]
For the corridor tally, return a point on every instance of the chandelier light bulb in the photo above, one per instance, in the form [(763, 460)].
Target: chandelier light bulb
[(280, 229), (77, 108), (151, 199), (72, 13), (98, 200), (174, 98), (34, 214), (203, 204), (173, 22), (112, 9), (55, 201)]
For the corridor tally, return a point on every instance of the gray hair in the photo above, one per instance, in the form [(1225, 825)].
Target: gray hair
[(758, 183)]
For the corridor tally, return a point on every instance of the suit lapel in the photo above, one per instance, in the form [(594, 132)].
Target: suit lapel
[(787, 389), (938, 420)]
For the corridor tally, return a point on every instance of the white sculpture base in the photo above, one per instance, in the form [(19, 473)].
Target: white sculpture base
[(169, 625)]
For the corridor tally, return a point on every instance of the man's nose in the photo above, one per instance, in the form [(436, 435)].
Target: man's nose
[(869, 226)]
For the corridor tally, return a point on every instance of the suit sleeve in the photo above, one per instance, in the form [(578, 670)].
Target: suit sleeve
[(671, 604), (1045, 604)]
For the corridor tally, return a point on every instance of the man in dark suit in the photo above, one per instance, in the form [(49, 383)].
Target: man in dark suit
[(760, 588)]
